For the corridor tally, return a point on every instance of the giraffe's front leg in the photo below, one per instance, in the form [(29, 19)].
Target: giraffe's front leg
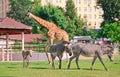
[(51, 41)]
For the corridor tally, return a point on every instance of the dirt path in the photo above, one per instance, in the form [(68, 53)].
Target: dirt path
[(39, 57)]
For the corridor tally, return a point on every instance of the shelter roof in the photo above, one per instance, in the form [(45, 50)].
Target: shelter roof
[(10, 26)]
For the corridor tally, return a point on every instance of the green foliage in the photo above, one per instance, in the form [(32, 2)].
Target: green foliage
[(71, 29), (89, 32), (71, 10), (111, 24), (18, 9), (112, 31), (111, 10), (75, 23)]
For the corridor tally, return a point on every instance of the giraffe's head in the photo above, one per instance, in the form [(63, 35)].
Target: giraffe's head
[(28, 14)]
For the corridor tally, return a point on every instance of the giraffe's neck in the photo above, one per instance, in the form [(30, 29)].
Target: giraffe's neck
[(44, 23)]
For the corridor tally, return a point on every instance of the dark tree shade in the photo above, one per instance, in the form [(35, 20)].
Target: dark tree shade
[(18, 9), (70, 9), (111, 10)]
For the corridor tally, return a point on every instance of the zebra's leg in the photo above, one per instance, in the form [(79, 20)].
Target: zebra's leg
[(101, 60), (60, 64), (77, 62), (93, 61), (70, 61), (23, 63), (27, 62), (53, 58), (60, 61)]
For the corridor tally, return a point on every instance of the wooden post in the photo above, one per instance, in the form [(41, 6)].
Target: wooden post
[(22, 40), (10, 54), (7, 51), (3, 59), (3, 53)]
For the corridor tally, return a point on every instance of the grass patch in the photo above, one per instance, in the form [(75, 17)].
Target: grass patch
[(43, 69)]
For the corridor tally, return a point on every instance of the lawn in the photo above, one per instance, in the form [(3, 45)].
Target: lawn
[(43, 69)]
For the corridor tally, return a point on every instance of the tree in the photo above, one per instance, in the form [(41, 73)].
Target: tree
[(112, 31), (111, 10), (75, 23), (71, 10), (111, 24), (19, 9)]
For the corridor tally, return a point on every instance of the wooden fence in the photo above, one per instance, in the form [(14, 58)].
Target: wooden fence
[(6, 54), (37, 46)]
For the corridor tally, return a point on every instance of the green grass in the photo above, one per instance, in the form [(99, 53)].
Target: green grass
[(43, 69)]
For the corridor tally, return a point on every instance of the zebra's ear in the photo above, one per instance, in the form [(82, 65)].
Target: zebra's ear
[(23, 50), (67, 44), (31, 50)]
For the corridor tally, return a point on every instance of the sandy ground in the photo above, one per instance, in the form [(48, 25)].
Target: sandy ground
[(39, 57)]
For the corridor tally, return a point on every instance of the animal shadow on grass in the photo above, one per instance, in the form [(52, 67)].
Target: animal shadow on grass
[(31, 67), (94, 69), (6, 76), (12, 67), (38, 68), (83, 69), (116, 63)]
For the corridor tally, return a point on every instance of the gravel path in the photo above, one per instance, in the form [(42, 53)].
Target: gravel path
[(39, 57)]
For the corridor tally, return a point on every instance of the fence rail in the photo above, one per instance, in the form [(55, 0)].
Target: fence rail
[(34, 46)]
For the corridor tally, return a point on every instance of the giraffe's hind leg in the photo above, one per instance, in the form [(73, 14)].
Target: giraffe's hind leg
[(48, 57)]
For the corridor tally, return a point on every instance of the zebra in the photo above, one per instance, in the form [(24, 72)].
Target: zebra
[(26, 54), (91, 50), (58, 50)]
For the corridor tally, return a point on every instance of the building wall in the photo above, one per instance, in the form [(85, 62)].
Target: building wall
[(4, 7), (86, 9)]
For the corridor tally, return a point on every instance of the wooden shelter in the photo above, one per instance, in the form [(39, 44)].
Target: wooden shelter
[(9, 26), (82, 39)]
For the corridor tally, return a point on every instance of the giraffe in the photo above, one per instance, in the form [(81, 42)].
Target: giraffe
[(54, 32)]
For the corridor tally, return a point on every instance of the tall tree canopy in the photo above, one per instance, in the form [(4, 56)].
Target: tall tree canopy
[(18, 10), (75, 23), (112, 31), (111, 10), (111, 24), (71, 10)]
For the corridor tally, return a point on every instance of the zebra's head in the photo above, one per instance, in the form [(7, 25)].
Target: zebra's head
[(68, 48), (30, 53)]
